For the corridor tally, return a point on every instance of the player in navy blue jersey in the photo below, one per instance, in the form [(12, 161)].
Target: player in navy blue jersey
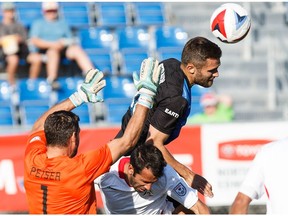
[(198, 66)]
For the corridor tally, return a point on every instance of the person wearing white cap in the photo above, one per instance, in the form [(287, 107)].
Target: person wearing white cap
[(13, 47), (216, 109), (52, 36)]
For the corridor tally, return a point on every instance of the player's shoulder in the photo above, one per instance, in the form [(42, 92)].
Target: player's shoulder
[(171, 64)]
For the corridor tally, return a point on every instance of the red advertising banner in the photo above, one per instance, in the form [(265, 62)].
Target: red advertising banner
[(12, 194)]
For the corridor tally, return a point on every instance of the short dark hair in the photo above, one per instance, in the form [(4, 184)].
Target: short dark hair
[(59, 127), (197, 50), (147, 156)]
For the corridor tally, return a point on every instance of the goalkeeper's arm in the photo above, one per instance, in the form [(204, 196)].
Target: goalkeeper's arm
[(87, 92), (146, 85)]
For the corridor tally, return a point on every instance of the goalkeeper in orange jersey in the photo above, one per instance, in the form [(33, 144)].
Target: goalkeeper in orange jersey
[(56, 179)]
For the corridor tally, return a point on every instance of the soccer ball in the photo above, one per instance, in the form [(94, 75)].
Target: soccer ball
[(230, 23)]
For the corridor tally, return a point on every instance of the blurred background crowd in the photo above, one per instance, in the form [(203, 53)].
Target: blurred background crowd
[(45, 63), (41, 64)]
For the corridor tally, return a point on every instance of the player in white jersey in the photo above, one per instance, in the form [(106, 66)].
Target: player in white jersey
[(267, 175), (141, 183)]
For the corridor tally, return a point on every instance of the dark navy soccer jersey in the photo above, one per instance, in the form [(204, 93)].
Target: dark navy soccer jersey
[(172, 104)]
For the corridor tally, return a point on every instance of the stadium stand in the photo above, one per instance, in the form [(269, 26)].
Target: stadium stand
[(149, 13), (7, 111), (98, 42), (117, 95), (28, 12), (68, 85), (76, 14), (134, 44), (112, 14), (257, 86), (36, 97)]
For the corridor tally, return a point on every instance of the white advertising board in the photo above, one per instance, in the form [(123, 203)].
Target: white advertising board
[(227, 152)]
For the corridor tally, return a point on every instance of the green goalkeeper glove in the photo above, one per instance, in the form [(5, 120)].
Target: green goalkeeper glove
[(148, 82), (88, 90)]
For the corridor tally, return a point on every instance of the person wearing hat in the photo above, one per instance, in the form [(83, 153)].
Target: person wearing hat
[(52, 37), (216, 109), (13, 36)]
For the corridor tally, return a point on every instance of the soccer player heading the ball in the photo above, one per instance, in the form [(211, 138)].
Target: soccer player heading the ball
[(199, 65), (56, 179)]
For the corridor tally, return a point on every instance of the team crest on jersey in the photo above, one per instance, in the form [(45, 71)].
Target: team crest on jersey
[(180, 189), (162, 73)]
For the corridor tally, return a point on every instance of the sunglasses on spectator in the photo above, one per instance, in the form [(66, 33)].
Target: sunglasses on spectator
[(51, 11)]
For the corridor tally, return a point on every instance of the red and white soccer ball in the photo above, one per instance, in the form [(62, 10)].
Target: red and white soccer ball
[(230, 23)]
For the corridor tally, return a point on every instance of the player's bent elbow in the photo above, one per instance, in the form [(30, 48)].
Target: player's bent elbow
[(200, 208)]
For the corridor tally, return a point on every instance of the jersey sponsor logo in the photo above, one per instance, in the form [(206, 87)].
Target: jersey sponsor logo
[(162, 73), (180, 189), (240, 150), (35, 139), (170, 112)]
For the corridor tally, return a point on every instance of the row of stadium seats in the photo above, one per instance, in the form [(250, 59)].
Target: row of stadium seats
[(121, 50), (112, 14), (34, 97)]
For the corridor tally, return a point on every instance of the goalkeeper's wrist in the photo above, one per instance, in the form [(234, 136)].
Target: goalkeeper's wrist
[(145, 100), (76, 99)]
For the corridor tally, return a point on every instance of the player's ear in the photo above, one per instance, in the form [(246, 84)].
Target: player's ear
[(191, 68), (130, 169)]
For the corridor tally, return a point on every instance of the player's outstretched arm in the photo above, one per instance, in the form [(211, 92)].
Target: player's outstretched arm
[(200, 208), (240, 204), (87, 92), (196, 181), (146, 85)]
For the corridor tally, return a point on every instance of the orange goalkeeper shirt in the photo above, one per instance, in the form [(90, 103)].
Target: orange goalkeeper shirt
[(62, 185)]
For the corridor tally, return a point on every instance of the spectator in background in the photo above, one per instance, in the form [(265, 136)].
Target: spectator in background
[(267, 176), (13, 38), (216, 109), (53, 37)]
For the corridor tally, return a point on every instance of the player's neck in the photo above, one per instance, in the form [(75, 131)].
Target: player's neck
[(53, 152)]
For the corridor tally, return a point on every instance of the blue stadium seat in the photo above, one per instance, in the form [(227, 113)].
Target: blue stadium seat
[(112, 14), (5, 93), (149, 13), (6, 107), (96, 38), (117, 95), (28, 12), (165, 53), (30, 112), (132, 37), (76, 14), (36, 97), (119, 87), (68, 85), (170, 36), (134, 46), (6, 115), (84, 114), (116, 108), (103, 60), (131, 61), (34, 90)]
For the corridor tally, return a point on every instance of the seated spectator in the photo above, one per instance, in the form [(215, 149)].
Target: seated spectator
[(216, 109), (13, 38), (52, 37)]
